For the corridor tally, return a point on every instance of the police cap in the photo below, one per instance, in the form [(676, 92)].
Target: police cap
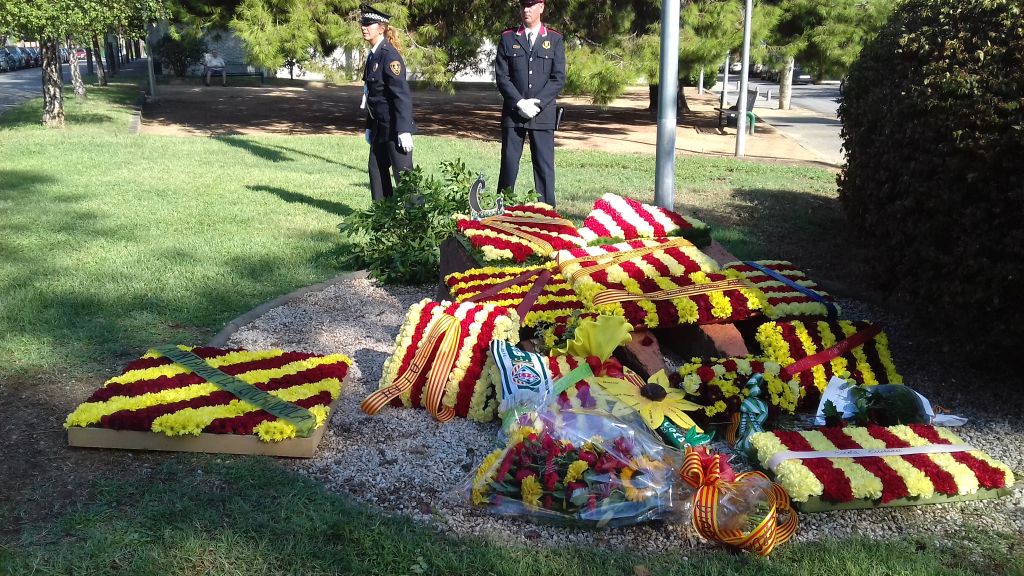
[(369, 15)]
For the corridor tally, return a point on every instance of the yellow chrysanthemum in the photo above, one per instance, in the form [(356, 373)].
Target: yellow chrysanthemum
[(576, 470), (531, 491)]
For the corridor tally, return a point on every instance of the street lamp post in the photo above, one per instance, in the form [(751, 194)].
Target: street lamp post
[(668, 82), (741, 103)]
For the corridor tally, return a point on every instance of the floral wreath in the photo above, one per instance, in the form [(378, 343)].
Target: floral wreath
[(878, 478), (154, 394)]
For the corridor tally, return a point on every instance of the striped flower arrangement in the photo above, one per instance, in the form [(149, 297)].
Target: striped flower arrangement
[(469, 385), (913, 475), (620, 218), (656, 284), (554, 306), (527, 233), (787, 291), (813, 352), (154, 394)]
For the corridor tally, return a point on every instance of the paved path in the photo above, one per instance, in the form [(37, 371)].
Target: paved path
[(812, 121)]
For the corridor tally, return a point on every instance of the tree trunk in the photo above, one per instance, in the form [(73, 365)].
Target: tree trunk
[(101, 74), (786, 84), (682, 106), (53, 85), (76, 74)]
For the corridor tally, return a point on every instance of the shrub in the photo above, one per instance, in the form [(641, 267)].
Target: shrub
[(933, 125), (179, 52), (398, 239)]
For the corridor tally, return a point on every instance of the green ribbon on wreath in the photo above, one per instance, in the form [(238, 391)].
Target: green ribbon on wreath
[(303, 420)]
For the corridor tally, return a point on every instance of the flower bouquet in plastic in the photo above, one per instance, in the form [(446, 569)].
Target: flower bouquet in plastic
[(580, 467)]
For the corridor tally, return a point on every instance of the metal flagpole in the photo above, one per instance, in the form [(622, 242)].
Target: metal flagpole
[(741, 104), (668, 82)]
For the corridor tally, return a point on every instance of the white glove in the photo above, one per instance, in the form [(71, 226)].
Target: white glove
[(528, 108), (405, 141), (367, 136)]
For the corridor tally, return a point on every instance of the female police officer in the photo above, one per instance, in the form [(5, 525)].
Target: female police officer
[(388, 103)]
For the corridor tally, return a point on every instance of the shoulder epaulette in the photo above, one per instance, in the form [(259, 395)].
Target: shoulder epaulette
[(507, 30), (550, 30)]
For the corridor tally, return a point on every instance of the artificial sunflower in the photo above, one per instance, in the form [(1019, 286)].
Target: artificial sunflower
[(654, 402)]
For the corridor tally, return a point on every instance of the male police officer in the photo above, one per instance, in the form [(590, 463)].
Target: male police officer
[(530, 72), (388, 103)]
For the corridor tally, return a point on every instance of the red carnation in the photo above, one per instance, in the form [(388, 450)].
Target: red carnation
[(523, 473), (589, 457)]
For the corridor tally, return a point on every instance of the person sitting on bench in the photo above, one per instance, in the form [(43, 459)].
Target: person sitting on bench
[(215, 65)]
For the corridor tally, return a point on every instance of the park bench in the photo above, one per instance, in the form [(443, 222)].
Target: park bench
[(727, 117), (237, 69)]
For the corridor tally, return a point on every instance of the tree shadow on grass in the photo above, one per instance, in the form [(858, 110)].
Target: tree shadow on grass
[(258, 150), (336, 208), (191, 512), (808, 229)]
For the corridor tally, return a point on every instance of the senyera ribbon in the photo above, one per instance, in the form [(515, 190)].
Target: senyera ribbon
[(705, 476), (511, 225), (437, 353), (613, 295), (831, 353), (543, 277), (602, 261)]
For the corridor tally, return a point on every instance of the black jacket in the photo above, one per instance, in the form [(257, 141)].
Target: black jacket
[(388, 98), (524, 74)]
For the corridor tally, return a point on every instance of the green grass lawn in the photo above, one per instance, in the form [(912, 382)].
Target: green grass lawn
[(111, 243)]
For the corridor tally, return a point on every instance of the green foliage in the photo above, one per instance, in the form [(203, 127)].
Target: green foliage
[(934, 131), (826, 36), (179, 51), (600, 74), (275, 31), (398, 238)]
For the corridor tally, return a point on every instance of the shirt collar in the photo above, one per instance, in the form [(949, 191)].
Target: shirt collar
[(541, 32), (377, 45)]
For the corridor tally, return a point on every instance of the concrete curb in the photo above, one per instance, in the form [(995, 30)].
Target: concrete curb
[(231, 327)]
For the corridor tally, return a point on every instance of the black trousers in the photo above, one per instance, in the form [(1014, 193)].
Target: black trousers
[(542, 152), (385, 156)]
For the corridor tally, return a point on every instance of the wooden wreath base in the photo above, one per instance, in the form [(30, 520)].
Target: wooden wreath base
[(210, 443), (815, 504)]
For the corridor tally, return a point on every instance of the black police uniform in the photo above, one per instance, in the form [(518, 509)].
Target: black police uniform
[(389, 113), (524, 73)]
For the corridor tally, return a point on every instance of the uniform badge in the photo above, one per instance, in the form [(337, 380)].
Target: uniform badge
[(516, 47), (375, 66), (547, 44), (396, 68)]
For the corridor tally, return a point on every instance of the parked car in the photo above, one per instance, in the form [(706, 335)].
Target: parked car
[(6, 65), (63, 53), (800, 76), (80, 53), (736, 67), (37, 56), (19, 58)]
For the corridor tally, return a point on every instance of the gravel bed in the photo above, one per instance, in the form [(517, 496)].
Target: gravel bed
[(405, 462)]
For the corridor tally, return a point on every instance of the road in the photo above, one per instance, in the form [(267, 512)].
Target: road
[(20, 85), (812, 121)]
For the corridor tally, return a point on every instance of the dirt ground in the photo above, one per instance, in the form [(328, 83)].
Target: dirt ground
[(625, 126)]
